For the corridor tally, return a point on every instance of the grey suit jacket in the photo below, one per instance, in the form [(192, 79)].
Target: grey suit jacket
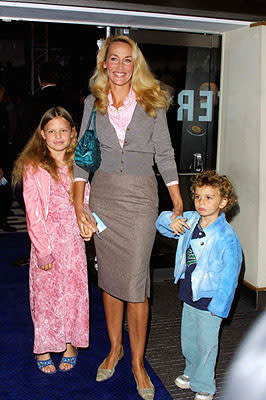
[(147, 140)]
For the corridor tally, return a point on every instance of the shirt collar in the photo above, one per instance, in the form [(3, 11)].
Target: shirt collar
[(212, 227), (131, 97)]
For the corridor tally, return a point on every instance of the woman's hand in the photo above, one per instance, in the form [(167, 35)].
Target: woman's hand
[(179, 225), (177, 210), (46, 267), (86, 225), (175, 195)]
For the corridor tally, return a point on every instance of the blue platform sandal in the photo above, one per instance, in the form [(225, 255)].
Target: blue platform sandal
[(68, 360), (45, 363)]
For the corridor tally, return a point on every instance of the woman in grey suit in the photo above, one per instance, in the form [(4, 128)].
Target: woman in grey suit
[(132, 129)]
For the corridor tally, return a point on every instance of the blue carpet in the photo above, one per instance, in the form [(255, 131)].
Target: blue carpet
[(19, 377)]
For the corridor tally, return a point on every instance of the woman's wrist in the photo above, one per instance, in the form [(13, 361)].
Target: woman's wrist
[(177, 201), (176, 198)]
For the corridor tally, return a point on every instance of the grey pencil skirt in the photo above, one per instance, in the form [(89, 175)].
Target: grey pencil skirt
[(128, 205)]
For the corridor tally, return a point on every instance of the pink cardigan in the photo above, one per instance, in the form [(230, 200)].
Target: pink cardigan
[(36, 193)]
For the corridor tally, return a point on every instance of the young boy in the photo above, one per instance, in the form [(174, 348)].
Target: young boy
[(208, 262)]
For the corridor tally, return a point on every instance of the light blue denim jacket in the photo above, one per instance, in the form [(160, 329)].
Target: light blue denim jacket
[(219, 258)]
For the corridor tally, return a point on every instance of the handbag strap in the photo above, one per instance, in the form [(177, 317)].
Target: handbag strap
[(94, 123), (92, 115)]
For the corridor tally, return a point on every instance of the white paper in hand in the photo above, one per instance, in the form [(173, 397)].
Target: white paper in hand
[(100, 225)]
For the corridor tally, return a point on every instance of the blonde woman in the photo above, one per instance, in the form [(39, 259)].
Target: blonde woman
[(132, 129), (58, 269)]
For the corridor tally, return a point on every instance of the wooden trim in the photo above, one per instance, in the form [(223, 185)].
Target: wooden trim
[(249, 285), (259, 23)]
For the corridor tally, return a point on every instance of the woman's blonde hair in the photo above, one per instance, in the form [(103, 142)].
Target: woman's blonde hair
[(36, 153), (220, 182), (149, 91)]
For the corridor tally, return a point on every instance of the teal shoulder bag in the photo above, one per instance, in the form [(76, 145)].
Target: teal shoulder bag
[(88, 153)]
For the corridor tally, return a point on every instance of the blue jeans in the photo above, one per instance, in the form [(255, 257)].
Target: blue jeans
[(199, 340)]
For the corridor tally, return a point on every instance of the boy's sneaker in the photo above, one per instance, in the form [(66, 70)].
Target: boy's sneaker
[(203, 396), (182, 382)]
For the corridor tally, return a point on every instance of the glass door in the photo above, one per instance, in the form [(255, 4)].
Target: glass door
[(189, 64)]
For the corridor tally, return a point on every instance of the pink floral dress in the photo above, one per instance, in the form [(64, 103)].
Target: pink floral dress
[(59, 297)]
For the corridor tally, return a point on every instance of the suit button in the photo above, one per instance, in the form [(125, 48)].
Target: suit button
[(121, 170), (122, 162), (128, 129), (122, 152), (202, 243), (125, 141)]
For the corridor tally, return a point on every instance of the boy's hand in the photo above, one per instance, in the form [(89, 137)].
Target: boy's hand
[(179, 225)]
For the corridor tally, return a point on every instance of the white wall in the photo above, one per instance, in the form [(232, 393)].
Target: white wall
[(242, 140), (262, 214)]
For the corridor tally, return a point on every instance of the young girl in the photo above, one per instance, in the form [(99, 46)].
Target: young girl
[(58, 269), (208, 262)]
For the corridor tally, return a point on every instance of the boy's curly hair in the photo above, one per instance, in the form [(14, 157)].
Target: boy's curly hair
[(221, 182)]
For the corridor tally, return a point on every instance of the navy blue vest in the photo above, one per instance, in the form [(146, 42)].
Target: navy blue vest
[(185, 290)]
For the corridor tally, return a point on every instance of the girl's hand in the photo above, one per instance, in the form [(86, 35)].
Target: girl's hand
[(179, 225), (86, 225), (46, 267)]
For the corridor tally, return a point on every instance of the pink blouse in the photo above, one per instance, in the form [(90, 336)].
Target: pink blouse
[(121, 117)]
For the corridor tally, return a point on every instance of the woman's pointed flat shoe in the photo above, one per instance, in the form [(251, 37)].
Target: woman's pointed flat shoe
[(103, 374), (145, 393)]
